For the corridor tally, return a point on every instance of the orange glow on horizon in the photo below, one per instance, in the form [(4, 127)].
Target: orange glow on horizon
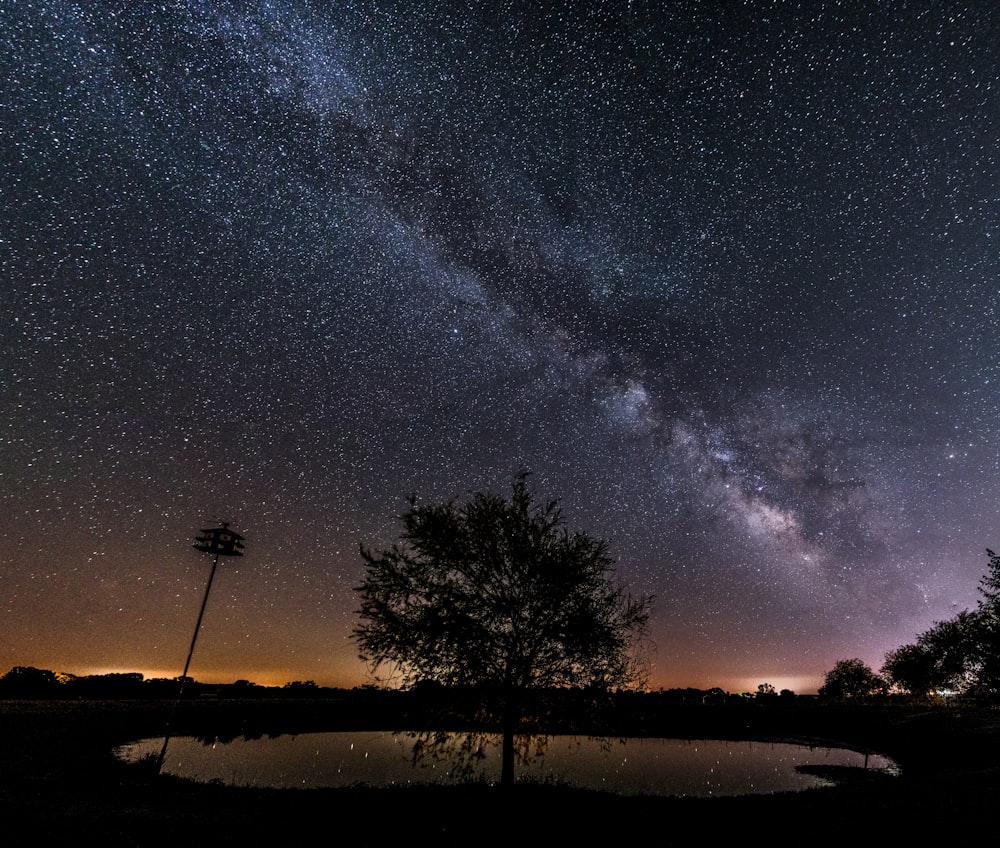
[(799, 684)]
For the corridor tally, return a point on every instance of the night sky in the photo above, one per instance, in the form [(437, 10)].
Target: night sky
[(723, 276)]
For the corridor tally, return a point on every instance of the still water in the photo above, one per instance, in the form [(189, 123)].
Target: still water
[(626, 766)]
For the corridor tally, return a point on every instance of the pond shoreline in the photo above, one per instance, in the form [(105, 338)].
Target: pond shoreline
[(622, 765), (58, 776)]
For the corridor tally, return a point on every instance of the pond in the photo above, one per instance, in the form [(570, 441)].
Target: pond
[(674, 767)]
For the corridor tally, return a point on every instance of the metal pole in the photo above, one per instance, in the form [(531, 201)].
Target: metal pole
[(201, 613), (187, 664)]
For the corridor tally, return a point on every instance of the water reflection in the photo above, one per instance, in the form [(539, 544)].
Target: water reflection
[(625, 766)]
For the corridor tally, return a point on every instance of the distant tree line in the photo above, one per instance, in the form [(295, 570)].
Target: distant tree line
[(35, 683), (31, 682), (956, 657)]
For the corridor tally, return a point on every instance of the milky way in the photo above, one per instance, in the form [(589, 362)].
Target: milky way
[(722, 276)]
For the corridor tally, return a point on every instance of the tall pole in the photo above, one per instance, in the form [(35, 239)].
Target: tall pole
[(201, 614), (220, 541)]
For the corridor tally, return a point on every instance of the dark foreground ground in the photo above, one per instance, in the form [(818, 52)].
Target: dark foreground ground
[(61, 785)]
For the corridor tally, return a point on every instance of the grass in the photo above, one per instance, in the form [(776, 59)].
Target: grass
[(59, 780)]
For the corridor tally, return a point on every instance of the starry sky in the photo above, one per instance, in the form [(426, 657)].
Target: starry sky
[(722, 276)]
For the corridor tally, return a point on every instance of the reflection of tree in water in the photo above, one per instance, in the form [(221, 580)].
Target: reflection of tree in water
[(466, 755), (226, 737)]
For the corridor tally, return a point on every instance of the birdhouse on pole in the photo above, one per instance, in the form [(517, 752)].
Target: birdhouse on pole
[(220, 541)]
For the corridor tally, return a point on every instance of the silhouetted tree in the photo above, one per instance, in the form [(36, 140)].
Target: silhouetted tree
[(944, 657), (850, 679), (114, 685), (497, 594), (911, 668), (715, 695), (766, 690), (302, 688), (26, 681), (988, 631)]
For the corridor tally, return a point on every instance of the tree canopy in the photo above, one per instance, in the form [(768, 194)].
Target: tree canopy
[(850, 679), (28, 681), (988, 631), (496, 592), (941, 659)]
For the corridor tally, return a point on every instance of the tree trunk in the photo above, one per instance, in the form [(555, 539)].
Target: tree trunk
[(510, 720), (507, 767)]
